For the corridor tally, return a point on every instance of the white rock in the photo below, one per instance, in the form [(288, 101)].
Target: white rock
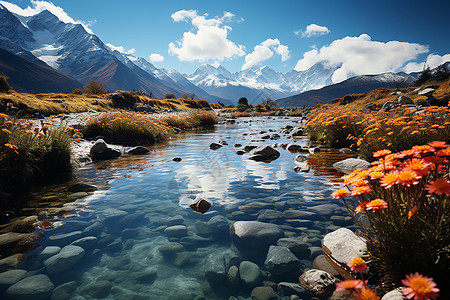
[(343, 245)]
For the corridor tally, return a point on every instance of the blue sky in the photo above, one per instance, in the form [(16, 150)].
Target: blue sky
[(363, 36)]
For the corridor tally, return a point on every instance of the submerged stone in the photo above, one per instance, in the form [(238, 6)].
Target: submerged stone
[(35, 287)]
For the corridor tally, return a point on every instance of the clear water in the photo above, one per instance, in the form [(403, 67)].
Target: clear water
[(148, 190)]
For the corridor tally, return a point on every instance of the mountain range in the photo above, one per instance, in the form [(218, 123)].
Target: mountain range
[(41, 53)]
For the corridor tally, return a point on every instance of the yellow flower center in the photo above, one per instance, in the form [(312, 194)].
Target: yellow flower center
[(420, 286)]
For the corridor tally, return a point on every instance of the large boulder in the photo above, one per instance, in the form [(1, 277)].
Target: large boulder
[(280, 260), (215, 269), (318, 282), (295, 244), (405, 100), (219, 226), (264, 153), (255, 234), (139, 150), (349, 165), (10, 277), (428, 92), (101, 151), (33, 288), (66, 258)]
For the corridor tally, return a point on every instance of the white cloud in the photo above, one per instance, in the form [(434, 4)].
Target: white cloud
[(360, 55), (121, 49), (433, 60), (155, 57), (39, 6), (313, 30), (264, 51), (208, 40)]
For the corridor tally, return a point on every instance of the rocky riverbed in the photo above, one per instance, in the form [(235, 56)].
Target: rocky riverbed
[(137, 236)]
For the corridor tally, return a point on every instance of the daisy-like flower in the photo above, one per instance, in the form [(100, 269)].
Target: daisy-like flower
[(361, 206), (361, 190), (357, 264), (419, 287), (444, 152), (439, 186), (350, 285), (412, 211), (340, 194), (419, 166), (408, 178), (376, 204), (422, 149), (367, 294), (389, 180), (438, 144), (6, 131), (376, 175), (382, 153)]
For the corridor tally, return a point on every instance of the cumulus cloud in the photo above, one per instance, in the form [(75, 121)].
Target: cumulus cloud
[(208, 39), (433, 60), (313, 30), (264, 51), (360, 55), (155, 57), (120, 49), (38, 6)]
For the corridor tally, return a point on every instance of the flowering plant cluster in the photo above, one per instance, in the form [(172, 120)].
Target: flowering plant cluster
[(28, 147), (403, 207)]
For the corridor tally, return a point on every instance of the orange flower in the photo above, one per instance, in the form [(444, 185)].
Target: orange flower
[(10, 122), (6, 131), (419, 166), (357, 264), (349, 285), (439, 186), (361, 206), (382, 153), (408, 178), (389, 180), (412, 212), (367, 294), (420, 287), (3, 116), (376, 204), (423, 149), (444, 152), (340, 193), (438, 144), (361, 190), (12, 147), (376, 175)]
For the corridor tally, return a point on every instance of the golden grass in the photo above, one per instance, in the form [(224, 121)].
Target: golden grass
[(72, 103)]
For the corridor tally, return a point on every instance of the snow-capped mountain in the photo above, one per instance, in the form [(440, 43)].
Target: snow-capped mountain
[(354, 85), (259, 82)]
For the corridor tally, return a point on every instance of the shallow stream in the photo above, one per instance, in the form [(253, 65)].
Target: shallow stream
[(125, 222)]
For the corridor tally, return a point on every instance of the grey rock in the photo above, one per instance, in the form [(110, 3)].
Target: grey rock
[(33, 288), (219, 226), (318, 282), (321, 263), (387, 106), (64, 239), (293, 147), (426, 92), (393, 295), (371, 107), (171, 248), (147, 276), (202, 228), (349, 165), (255, 234), (343, 245), (405, 100), (115, 246), (200, 204), (175, 220), (215, 146), (270, 215), (315, 251), (176, 231), (48, 252), (177, 159), (139, 150), (323, 209), (288, 289), (249, 148), (233, 278), (10, 277), (111, 215), (296, 245), (97, 290), (65, 259), (101, 151), (86, 242), (64, 291), (250, 274), (94, 229), (215, 267), (264, 153), (263, 293), (119, 263), (297, 131), (280, 260), (345, 151), (298, 214)]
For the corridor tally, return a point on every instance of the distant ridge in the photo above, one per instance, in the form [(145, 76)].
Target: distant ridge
[(27, 76), (354, 85)]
